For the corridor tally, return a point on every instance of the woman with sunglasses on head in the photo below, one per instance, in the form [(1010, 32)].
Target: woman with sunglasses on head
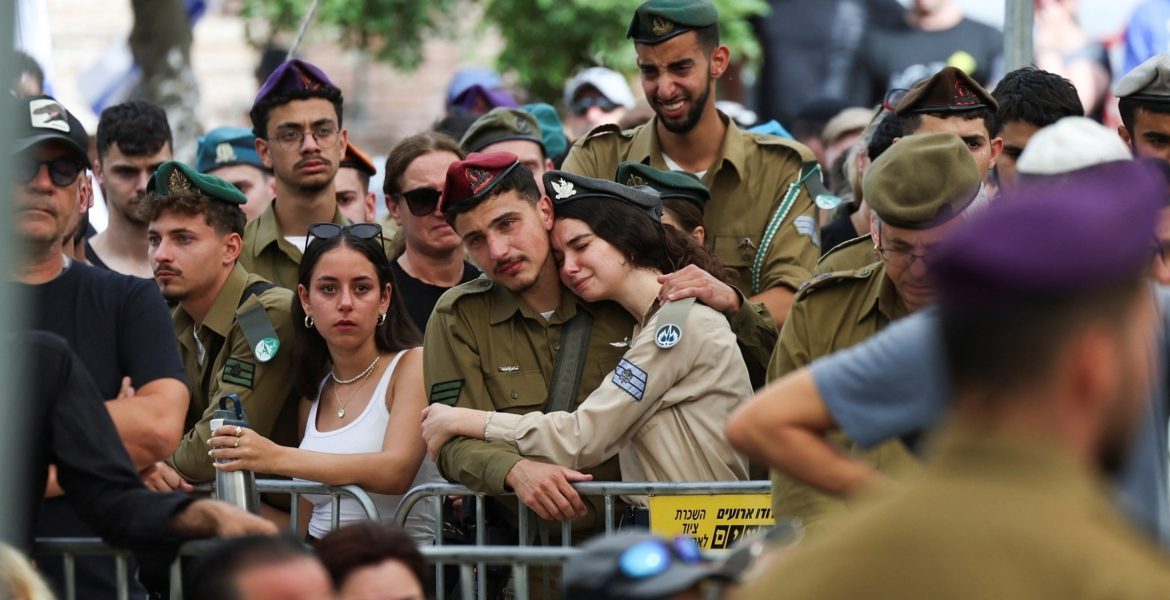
[(664, 407), (359, 370), (431, 260)]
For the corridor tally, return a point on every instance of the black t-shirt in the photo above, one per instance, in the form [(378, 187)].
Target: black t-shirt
[(93, 259), (118, 326), (420, 296), (899, 58)]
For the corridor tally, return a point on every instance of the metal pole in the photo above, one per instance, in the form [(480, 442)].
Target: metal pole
[(1017, 34)]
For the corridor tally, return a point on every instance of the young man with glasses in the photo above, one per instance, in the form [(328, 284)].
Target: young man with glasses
[(431, 259), (914, 190), (234, 329), (117, 324), (297, 121)]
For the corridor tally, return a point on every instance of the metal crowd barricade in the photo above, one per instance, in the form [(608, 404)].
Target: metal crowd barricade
[(608, 490), (299, 488)]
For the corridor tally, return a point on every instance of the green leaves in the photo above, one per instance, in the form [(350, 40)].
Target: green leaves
[(545, 41)]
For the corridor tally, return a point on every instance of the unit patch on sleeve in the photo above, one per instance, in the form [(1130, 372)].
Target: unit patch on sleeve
[(446, 392), (630, 378), (238, 372)]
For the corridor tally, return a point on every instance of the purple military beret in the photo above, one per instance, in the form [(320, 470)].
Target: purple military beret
[(1094, 228), (293, 75)]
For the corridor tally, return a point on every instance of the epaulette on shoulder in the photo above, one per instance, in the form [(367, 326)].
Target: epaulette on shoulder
[(777, 142), (608, 129), (478, 285), (827, 280), (843, 245)]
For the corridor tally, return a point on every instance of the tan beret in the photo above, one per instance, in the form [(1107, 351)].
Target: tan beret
[(922, 181)]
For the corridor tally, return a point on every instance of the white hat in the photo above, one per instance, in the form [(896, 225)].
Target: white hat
[(610, 83), (1071, 144)]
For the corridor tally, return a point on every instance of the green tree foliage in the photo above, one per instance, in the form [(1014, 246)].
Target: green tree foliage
[(545, 41)]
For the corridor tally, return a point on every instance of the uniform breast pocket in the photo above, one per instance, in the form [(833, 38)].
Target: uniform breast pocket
[(519, 392), (736, 251)]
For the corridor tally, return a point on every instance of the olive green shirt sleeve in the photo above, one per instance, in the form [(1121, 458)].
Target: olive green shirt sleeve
[(451, 362), (792, 350), (755, 332), (263, 400)]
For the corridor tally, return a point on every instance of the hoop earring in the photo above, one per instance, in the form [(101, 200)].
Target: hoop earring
[(308, 321), (381, 319)]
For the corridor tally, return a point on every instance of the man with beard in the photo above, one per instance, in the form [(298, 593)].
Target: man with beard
[(1144, 103), (234, 329), (1049, 349), (761, 220), (133, 139), (297, 121)]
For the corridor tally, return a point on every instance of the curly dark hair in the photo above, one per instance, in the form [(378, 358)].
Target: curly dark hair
[(223, 217), (1036, 97), (643, 241), (139, 128)]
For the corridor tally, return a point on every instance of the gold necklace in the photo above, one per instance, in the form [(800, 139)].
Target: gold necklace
[(354, 393)]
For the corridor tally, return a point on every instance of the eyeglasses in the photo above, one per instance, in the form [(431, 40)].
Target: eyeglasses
[(362, 231), (650, 558), (291, 139), (893, 97), (900, 258), (62, 171), (421, 201), (582, 105)]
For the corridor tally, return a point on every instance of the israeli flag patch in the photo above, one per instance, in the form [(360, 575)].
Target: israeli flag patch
[(630, 378), (806, 225)]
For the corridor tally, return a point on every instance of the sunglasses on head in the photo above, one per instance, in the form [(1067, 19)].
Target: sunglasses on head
[(582, 105), (364, 231), (651, 558), (62, 171), (422, 201)]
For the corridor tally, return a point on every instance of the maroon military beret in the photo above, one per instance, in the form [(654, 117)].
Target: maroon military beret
[(470, 179)]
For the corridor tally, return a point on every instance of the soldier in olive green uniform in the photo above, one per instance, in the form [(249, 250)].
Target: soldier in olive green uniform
[(951, 102), (761, 220), (914, 190), (230, 324), (297, 121), (1014, 501)]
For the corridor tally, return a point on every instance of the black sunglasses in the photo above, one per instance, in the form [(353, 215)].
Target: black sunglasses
[(62, 171), (421, 201), (582, 105), (363, 231)]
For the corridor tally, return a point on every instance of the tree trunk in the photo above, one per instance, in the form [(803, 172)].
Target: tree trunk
[(161, 44)]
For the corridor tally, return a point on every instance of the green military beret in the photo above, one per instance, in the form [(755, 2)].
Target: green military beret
[(501, 125), (949, 90), (656, 21), (174, 177), (922, 181), (670, 184)]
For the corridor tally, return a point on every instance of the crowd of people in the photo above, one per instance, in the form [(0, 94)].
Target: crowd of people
[(940, 332)]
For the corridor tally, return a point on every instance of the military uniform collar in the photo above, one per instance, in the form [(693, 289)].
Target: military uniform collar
[(505, 303), (268, 228), (882, 296), (222, 314), (644, 148)]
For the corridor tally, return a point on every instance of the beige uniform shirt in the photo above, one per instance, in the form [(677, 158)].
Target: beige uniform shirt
[(663, 411), (991, 517), (831, 313), (268, 254), (265, 388), (749, 181)]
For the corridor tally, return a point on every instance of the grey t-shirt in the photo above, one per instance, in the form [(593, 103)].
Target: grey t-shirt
[(894, 385)]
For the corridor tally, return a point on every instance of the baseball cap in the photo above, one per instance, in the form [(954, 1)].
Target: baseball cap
[(610, 83), (43, 119)]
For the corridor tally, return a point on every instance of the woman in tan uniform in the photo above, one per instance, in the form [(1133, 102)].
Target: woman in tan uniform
[(664, 407)]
